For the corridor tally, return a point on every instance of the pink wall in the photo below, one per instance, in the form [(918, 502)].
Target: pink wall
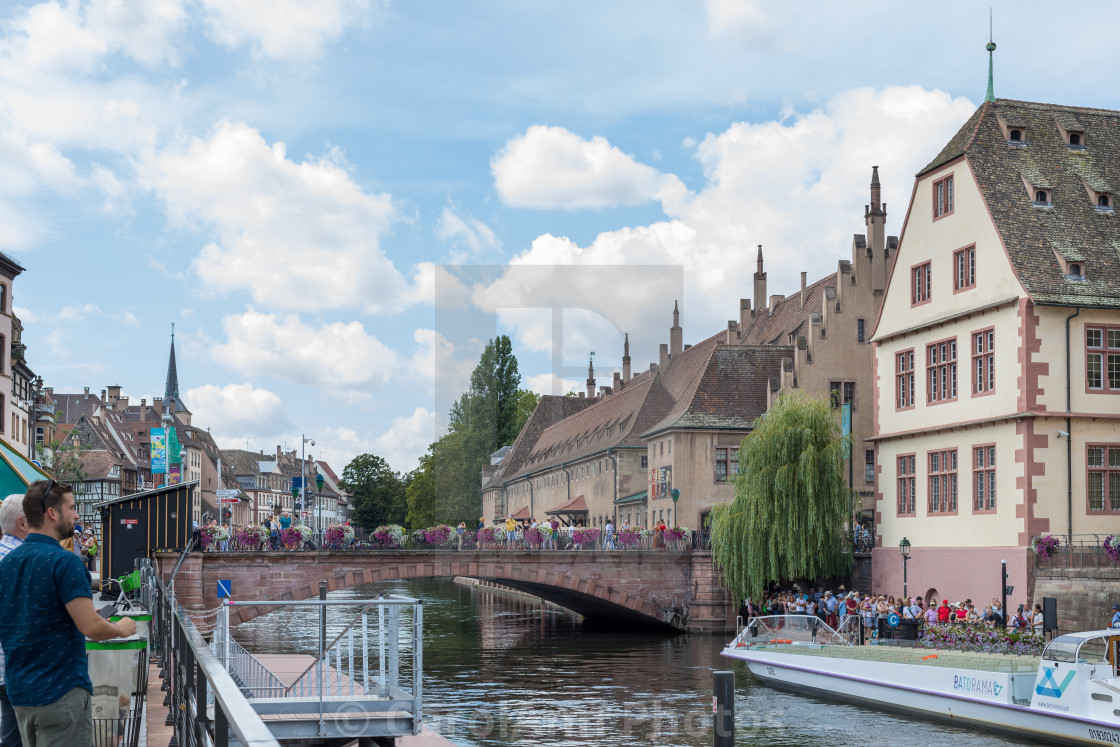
[(959, 572)]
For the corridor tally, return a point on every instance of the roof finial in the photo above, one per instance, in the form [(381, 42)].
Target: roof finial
[(991, 47), (172, 333)]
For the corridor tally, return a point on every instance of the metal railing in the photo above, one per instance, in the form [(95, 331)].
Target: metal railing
[(807, 629), (193, 675), (471, 541), (1081, 551), (354, 686)]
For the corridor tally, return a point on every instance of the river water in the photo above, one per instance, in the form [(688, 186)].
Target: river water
[(503, 671)]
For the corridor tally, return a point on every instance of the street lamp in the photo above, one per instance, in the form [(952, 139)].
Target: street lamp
[(319, 485), (303, 478), (904, 548)]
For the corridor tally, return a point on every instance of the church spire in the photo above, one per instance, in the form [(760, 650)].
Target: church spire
[(591, 377), (171, 400), (991, 47), (626, 358)]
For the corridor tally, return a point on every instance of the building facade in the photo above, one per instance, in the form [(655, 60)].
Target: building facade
[(997, 352)]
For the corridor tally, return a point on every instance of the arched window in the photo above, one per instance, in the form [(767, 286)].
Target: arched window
[(1074, 139), (1102, 201), (1075, 269), (1016, 136), (1041, 196)]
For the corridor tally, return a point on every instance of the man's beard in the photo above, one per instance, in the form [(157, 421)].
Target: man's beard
[(66, 529)]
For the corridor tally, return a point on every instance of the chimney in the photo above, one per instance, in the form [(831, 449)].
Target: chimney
[(626, 358), (115, 392), (775, 300), (157, 406), (582, 395), (675, 333), (664, 359), (803, 290), (759, 282), (143, 410), (279, 453), (103, 396), (87, 392), (616, 382), (744, 315)]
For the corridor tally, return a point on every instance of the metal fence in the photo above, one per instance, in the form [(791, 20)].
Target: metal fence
[(195, 679), (1084, 551)]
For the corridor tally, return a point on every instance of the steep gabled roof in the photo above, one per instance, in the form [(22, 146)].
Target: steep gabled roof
[(1072, 227), (789, 316), (730, 391), (550, 409)]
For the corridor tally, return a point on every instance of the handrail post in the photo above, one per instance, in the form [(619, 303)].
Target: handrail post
[(322, 648), (201, 717), (384, 685), (417, 666), (394, 646)]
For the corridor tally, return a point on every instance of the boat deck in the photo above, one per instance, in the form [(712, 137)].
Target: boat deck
[(928, 657)]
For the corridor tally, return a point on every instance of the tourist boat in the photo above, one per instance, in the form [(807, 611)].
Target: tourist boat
[(1071, 695)]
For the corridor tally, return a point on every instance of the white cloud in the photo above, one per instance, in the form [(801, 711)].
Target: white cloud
[(549, 383), (294, 30), (235, 412), (797, 187), (337, 354), (437, 362), (551, 167), (406, 439), (272, 215), (471, 238), (737, 16)]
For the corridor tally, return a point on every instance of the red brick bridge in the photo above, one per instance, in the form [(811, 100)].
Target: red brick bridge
[(679, 590)]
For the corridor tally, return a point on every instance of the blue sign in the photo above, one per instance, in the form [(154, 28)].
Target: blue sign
[(297, 483), (224, 588), (892, 619), (158, 452)]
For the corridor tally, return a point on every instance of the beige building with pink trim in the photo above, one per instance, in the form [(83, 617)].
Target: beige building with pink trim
[(997, 353)]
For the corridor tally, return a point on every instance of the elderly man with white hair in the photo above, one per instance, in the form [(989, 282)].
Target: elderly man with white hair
[(14, 526)]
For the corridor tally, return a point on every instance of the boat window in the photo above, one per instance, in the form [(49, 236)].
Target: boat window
[(1093, 650), (1062, 648)]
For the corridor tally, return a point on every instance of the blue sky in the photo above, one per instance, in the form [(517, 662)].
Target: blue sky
[(300, 185)]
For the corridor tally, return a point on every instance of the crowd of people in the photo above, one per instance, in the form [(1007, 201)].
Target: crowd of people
[(837, 609)]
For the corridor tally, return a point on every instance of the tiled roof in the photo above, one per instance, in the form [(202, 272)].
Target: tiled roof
[(70, 407), (574, 506), (1072, 227), (789, 316), (97, 464), (614, 421), (730, 391), (242, 462), (550, 409)]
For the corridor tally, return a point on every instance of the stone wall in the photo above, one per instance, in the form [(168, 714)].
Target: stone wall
[(1085, 596), (681, 590)]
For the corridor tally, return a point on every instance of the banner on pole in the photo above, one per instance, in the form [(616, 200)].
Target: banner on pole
[(174, 474), (159, 452), (174, 453), (846, 425)]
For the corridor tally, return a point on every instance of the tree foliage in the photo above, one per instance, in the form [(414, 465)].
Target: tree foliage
[(791, 501), (378, 492), (420, 494)]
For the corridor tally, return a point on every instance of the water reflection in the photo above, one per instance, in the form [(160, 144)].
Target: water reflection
[(504, 671)]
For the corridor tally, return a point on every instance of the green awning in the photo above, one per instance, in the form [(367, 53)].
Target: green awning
[(17, 471), (632, 499)]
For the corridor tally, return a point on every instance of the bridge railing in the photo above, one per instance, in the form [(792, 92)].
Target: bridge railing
[(564, 540), (1081, 551)]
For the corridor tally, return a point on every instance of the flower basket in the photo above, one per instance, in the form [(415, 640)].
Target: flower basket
[(437, 536), (629, 538), (338, 536), (677, 534), (982, 639), (390, 535), (489, 537), (534, 537), (250, 537), (1045, 546), (1111, 546), (211, 537), (294, 536), (586, 537)]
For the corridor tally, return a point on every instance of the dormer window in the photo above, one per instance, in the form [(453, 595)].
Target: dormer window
[(1075, 269), (1042, 198), (1016, 136), (1104, 203)]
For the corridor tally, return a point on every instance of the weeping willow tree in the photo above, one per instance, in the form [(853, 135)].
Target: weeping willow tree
[(791, 501)]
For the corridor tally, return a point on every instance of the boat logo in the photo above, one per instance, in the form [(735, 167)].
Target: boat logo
[(1049, 686), (974, 685)]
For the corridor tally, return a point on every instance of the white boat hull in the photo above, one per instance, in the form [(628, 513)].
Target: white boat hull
[(965, 697)]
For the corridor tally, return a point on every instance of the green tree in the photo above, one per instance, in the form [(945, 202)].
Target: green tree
[(420, 493), (526, 402), (66, 461), (379, 493), (791, 501)]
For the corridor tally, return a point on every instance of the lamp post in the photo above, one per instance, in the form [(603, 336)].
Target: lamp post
[(904, 548), (303, 480), (319, 485), (675, 494)]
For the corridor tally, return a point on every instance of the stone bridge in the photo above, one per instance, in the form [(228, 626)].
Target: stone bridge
[(668, 589)]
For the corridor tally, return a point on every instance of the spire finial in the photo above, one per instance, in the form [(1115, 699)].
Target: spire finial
[(991, 47), (172, 333), (626, 344)]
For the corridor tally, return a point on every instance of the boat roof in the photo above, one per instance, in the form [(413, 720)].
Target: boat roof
[(1087, 634)]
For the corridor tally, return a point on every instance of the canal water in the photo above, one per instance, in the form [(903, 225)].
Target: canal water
[(503, 671)]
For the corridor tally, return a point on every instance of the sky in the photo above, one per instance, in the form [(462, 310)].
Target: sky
[(338, 202)]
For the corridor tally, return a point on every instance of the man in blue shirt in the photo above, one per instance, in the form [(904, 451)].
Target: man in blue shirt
[(48, 613)]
